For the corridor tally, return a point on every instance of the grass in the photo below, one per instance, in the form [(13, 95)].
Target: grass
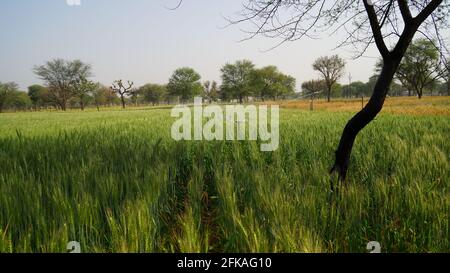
[(116, 182)]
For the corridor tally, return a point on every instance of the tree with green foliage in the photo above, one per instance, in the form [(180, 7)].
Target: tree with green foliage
[(356, 89), (419, 69), (331, 69), (360, 89), (6, 91), (60, 76), (397, 89), (19, 100), (38, 95), (185, 84), (153, 93), (103, 95), (82, 89), (211, 91), (336, 91), (237, 80), (136, 96), (270, 83)]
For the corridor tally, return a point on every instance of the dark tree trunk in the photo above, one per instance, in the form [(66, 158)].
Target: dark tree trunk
[(363, 118), (329, 93), (391, 62), (123, 101), (63, 106)]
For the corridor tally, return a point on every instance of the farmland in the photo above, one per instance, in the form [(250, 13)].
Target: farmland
[(115, 181)]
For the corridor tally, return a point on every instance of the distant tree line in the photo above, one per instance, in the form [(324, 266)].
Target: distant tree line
[(67, 84)]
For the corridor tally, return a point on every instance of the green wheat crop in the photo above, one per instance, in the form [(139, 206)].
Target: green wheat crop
[(116, 182)]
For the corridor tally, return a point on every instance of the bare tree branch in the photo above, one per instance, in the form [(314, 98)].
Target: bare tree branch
[(376, 29), (427, 11), (404, 9)]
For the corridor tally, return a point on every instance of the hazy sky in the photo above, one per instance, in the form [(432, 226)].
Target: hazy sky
[(143, 41)]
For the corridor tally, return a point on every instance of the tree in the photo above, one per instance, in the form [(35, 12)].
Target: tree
[(37, 94), (60, 76), (331, 69), (312, 89), (6, 92), (419, 69), (355, 89), (269, 82), (100, 96), (185, 83), (153, 93), (389, 24), (214, 92), (237, 80), (103, 95), (111, 97), (211, 91), (135, 96), (336, 91), (82, 88), (120, 89), (397, 90), (206, 90), (19, 100)]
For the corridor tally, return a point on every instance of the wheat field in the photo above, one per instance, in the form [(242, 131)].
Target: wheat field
[(115, 181)]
